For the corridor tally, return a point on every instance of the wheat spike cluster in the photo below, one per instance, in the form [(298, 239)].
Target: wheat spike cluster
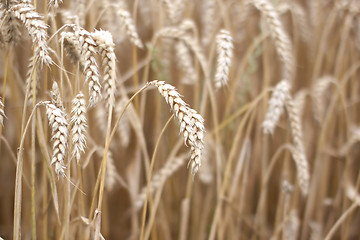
[(172, 119)]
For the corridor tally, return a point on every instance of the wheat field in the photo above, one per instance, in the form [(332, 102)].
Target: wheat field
[(179, 119)]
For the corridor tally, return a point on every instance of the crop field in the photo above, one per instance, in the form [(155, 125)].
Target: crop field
[(180, 119)]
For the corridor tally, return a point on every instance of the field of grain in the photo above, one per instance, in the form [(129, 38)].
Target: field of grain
[(180, 119)]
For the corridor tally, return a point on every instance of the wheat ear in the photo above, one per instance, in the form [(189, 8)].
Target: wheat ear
[(224, 47), (299, 101), (105, 42), (59, 125), (282, 41), (191, 123), (111, 172), (318, 93), (56, 97), (298, 153), (124, 126), (292, 224), (55, 3), (130, 28), (276, 106), (159, 179), (208, 21), (185, 63), (88, 50), (78, 130), (2, 112), (36, 28), (174, 10), (71, 47), (10, 28), (29, 78)]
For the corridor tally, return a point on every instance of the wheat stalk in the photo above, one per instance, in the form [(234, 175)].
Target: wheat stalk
[(191, 123), (105, 42), (59, 125), (78, 119), (282, 41), (36, 28), (88, 50), (276, 105), (224, 50)]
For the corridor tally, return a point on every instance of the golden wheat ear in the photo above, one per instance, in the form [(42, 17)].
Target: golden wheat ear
[(191, 123), (59, 137), (79, 125)]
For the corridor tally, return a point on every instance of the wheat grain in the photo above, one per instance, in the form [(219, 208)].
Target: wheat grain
[(282, 41), (105, 42), (78, 130), (59, 125), (159, 179), (2, 112), (36, 28), (88, 50), (275, 109), (185, 63), (224, 50), (191, 123)]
